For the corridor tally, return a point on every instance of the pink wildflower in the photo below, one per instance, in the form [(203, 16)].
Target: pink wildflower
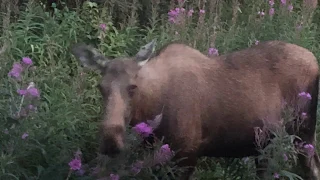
[(290, 7), (190, 12), (213, 51), (271, 11), (75, 164), (283, 2), (256, 42), (143, 129), (304, 115), (22, 92), (114, 177), (103, 27), (16, 71), (24, 135), (33, 92), (309, 149), (164, 154), (173, 14), (271, 2), (304, 94), (202, 11), (276, 175), (261, 13), (26, 60)]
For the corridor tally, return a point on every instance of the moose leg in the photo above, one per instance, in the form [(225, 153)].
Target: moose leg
[(307, 132), (261, 167), (310, 162)]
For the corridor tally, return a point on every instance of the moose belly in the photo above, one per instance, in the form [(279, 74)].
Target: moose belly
[(231, 139)]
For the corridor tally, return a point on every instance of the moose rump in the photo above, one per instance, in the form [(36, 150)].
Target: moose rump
[(210, 107)]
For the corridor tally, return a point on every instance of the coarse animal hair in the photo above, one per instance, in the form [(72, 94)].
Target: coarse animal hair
[(210, 106)]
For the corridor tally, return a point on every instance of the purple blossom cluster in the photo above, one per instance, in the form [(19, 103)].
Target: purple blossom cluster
[(75, 164), (272, 10), (175, 13), (163, 155), (143, 129), (213, 52), (305, 95), (18, 68), (28, 95)]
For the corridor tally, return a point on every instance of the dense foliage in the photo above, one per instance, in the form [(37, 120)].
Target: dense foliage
[(50, 107)]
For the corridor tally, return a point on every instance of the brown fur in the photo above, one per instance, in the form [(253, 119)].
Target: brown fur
[(210, 106)]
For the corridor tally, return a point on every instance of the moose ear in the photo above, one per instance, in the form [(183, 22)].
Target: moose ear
[(145, 52), (89, 56)]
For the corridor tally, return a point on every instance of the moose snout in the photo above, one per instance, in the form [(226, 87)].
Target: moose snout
[(112, 142)]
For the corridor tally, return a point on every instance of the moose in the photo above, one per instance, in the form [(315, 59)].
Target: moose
[(210, 106)]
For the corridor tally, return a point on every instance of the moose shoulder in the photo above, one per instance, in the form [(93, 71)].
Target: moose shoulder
[(210, 107)]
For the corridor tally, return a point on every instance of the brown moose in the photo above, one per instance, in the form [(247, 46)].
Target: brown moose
[(210, 107)]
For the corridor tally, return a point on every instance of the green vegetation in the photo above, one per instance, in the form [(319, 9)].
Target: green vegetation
[(50, 122)]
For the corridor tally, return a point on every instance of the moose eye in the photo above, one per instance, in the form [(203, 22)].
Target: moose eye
[(131, 88)]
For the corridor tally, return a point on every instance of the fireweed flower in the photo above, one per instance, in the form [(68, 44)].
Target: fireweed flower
[(32, 91), (305, 95), (283, 2), (164, 154), (309, 149), (261, 13), (173, 14), (202, 11), (143, 129), (276, 175), (103, 26), (136, 167), (271, 11), (16, 71), (75, 164), (290, 7), (26, 61), (271, 2), (190, 12), (213, 51), (24, 135), (304, 115), (114, 177), (22, 92)]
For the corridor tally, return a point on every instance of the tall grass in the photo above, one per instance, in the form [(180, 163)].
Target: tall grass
[(39, 141)]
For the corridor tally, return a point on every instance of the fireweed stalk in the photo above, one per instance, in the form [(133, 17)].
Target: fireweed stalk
[(16, 74)]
